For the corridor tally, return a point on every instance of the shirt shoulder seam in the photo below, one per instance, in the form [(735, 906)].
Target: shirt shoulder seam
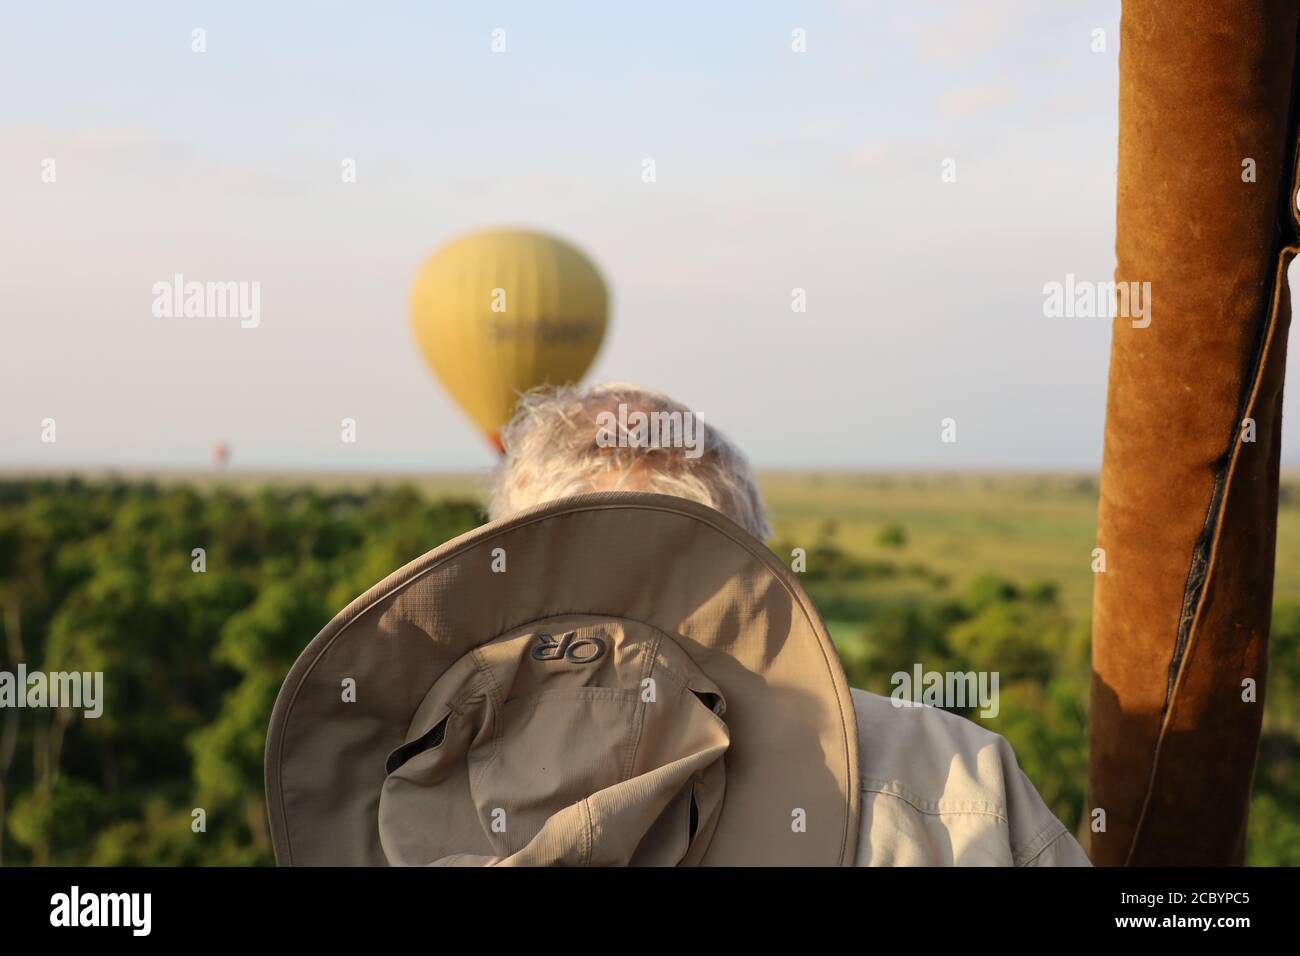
[(1050, 834), (935, 807)]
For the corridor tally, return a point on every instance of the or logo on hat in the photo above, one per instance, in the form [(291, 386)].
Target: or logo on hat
[(576, 652)]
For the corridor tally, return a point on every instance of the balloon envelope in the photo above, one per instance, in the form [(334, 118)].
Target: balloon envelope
[(497, 313)]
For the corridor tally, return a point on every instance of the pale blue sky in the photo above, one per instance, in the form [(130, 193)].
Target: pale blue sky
[(775, 170)]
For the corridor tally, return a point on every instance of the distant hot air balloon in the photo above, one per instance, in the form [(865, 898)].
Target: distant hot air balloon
[(220, 454), (499, 312)]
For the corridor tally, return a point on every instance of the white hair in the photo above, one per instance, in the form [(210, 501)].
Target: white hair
[(556, 446)]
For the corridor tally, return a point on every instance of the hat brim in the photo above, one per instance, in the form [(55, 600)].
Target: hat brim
[(792, 767)]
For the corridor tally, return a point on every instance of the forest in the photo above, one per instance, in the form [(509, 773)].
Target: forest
[(193, 601)]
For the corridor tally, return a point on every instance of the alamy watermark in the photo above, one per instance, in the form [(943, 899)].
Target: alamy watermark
[(79, 690), (947, 689), (133, 911), (1085, 299), (638, 429), (179, 299)]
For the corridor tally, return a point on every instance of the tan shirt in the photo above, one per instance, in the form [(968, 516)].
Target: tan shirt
[(939, 790)]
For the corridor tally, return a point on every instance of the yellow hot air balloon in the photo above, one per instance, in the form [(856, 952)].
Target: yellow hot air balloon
[(499, 312)]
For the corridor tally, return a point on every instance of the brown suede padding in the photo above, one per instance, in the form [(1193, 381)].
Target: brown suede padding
[(1188, 510)]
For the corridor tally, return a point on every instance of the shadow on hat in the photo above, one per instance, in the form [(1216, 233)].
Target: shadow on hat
[(608, 679)]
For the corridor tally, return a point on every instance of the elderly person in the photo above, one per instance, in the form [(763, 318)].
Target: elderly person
[(936, 788), (617, 671)]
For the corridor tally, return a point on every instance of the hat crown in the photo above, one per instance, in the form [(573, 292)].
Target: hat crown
[(579, 740)]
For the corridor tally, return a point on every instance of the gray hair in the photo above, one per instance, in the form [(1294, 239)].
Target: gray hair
[(563, 441)]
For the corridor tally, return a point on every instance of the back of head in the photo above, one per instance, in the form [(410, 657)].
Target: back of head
[(617, 437)]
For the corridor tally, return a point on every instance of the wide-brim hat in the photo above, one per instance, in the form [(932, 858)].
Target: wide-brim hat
[(610, 678)]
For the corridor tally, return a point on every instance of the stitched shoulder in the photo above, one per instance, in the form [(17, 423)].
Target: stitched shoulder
[(936, 761), (941, 807), (1059, 840)]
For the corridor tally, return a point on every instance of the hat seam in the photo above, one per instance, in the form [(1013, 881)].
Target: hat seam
[(647, 666), (588, 837), (585, 692), (493, 693)]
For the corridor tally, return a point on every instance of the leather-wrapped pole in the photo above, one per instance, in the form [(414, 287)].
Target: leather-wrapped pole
[(1188, 513)]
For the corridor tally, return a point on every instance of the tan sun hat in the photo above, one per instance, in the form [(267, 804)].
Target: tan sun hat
[(613, 678)]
